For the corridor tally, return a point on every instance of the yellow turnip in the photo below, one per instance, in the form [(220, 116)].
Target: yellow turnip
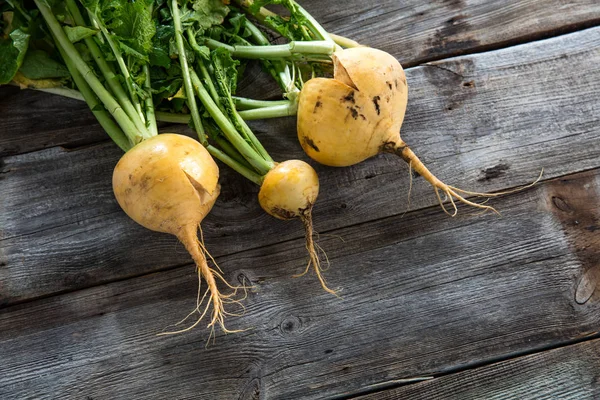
[(289, 191), (358, 114), (169, 183)]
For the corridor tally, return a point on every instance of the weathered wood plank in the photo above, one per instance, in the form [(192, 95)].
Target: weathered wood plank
[(570, 372), (419, 31), (488, 121), (422, 295), (31, 120), (413, 30)]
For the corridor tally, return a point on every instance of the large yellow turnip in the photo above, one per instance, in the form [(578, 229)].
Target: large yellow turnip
[(358, 114)]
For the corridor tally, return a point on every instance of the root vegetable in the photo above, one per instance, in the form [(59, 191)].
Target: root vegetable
[(289, 191), (358, 114), (169, 183)]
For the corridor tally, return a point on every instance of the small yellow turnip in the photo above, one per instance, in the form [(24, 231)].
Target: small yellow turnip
[(289, 191)]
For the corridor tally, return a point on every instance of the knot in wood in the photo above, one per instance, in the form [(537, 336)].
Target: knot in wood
[(561, 204), (290, 325), (243, 278)]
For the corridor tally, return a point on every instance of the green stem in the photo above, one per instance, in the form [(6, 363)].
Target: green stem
[(319, 32), (64, 92), (344, 41), (255, 142), (205, 75), (111, 78), (233, 164), (152, 127), (232, 152), (121, 63), (243, 103), (283, 110), (244, 129), (295, 49), (262, 166), (187, 82), (255, 33), (103, 117), (286, 110), (150, 118), (115, 109), (278, 68), (173, 118), (314, 25)]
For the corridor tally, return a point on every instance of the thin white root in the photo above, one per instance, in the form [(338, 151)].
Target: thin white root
[(410, 185), (452, 194), (314, 259), (401, 149), (216, 299), (496, 194)]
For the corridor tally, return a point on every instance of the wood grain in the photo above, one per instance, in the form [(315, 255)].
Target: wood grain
[(418, 31), (568, 373), (488, 122), (414, 31), (422, 295)]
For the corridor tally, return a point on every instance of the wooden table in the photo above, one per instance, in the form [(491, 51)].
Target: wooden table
[(433, 307)]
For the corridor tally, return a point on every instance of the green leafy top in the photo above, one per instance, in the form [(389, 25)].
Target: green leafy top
[(293, 27), (204, 13)]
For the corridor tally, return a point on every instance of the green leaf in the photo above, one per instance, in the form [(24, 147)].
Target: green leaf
[(132, 23), (12, 53), (130, 51), (205, 13), (226, 71), (290, 27), (204, 52), (77, 33), (159, 56), (38, 65)]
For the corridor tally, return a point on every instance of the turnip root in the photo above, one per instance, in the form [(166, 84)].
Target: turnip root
[(289, 191), (358, 114), (169, 183)]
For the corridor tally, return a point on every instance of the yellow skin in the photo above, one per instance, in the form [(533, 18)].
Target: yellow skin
[(347, 119), (169, 183), (358, 114), (289, 191)]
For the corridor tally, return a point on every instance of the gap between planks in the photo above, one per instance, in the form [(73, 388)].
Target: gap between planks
[(518, 41), (385, 386)]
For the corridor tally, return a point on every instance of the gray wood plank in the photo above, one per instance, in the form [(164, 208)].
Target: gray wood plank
[(30, 120), (566, 373), (414, 31), (488, 122), (422, 295), (419, 31)]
